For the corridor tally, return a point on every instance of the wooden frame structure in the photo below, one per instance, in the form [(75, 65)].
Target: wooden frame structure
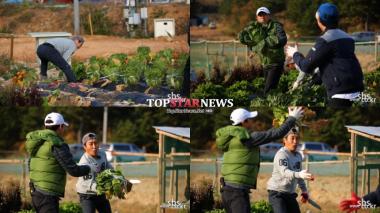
[(183, 135), (372, 133)]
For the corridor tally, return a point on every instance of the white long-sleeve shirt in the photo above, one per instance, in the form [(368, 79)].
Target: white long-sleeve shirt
[(65, 46), (87, 183), (285, 175)]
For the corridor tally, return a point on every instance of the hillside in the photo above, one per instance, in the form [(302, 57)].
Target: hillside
[(106, 18)]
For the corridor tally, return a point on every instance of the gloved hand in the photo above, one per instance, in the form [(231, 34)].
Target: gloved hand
[(351, 204), (304, 197), (291, 50), (94, 168), (296, 112), (305, 175)]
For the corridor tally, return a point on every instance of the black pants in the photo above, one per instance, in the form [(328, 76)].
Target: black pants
[(46, 52), (90, 203), (45, 203), (339, 103), (236, 200), (283, 202), (272, 74)]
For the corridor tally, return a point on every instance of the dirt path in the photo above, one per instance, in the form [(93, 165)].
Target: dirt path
[(24, 48)]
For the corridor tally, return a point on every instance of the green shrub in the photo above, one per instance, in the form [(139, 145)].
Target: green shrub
[(240, 92), (209, 90), (261, 206), (70, 207)]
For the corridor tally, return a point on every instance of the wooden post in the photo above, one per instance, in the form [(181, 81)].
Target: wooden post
[(353, 164), (90, 22), (171, 189), (364, 173), (161, 153), (12, 46), (176, 184), (235, 55)]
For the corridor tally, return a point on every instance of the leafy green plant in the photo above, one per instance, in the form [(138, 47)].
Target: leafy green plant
[(240, 92), (79, 69), (111, 183), (154, 76), (261, 206), (209, 90), (70, 207)]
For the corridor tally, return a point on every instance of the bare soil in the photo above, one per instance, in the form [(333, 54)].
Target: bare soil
[(100, 46)]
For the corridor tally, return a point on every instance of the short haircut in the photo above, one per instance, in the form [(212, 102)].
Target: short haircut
[(78, 38)]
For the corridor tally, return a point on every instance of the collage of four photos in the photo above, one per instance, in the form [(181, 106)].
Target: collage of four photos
[(201, 106)]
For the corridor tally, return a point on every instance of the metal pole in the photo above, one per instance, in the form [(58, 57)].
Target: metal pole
[(105, 123), (76, 17)]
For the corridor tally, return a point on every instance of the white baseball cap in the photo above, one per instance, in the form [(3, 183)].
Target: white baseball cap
[(55, 119), (240, 115), (262, 9)]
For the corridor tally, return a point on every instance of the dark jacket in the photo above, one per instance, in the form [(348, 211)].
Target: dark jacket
[(334, 54), (373, 197)]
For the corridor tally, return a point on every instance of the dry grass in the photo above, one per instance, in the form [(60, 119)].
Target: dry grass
[(143, 198), (327, 191)]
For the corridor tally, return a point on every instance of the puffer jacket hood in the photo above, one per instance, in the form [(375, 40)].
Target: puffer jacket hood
[(35, 139), (225, 134)]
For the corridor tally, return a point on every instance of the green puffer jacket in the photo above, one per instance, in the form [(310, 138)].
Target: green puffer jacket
[(45, 171), (267, 41), (240, 164)]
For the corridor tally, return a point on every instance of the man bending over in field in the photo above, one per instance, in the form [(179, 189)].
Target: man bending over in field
[(59, 51)]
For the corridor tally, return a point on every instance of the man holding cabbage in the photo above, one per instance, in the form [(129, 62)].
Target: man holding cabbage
[(266, 38)]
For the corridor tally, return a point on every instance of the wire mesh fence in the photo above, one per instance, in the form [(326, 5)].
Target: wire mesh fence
[(229, 54)]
